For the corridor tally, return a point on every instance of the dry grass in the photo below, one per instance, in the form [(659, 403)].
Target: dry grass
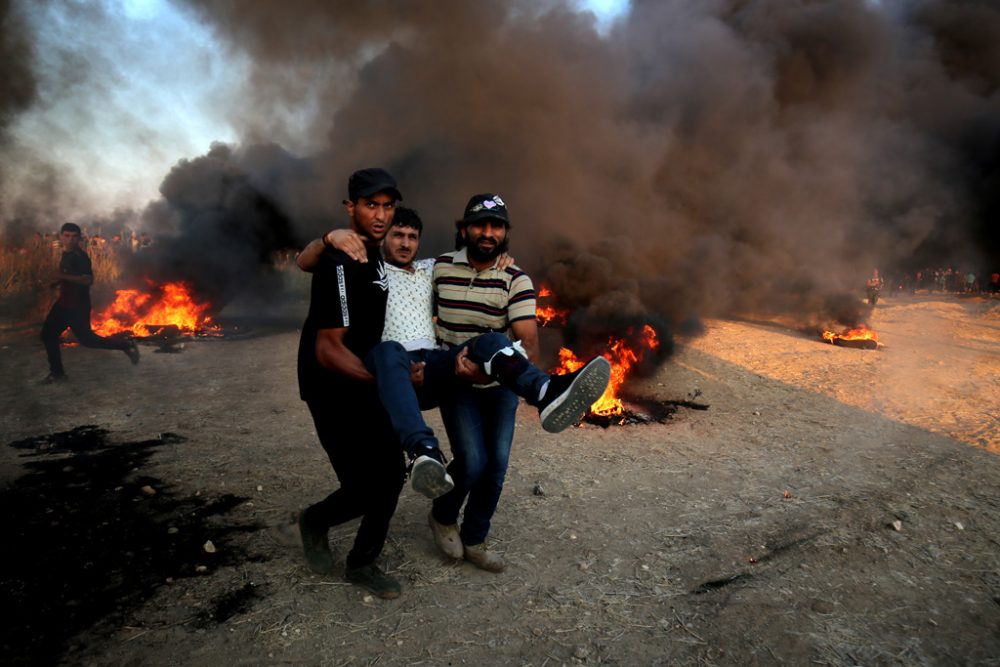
[(25, 269), (29, 269)]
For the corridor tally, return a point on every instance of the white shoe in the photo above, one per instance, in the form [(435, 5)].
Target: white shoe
[(429, 477)]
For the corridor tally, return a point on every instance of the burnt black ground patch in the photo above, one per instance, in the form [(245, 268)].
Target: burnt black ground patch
[(228, 604), (90, 537)]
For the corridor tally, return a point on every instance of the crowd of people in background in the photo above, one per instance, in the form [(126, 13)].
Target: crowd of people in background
[(26, 259), (944, 280), (127, 241)]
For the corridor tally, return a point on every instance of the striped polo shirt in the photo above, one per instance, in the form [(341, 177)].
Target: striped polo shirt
[(471, 302)]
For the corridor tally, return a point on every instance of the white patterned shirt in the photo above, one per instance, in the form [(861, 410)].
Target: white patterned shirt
[(409, 312)]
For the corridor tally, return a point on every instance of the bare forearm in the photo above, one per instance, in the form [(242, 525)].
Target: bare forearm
[(309, 257), (339, 359), (531, 347), (527, 332)]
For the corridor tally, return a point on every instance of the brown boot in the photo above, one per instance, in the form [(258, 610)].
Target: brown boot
[(483, 559), (446, 537)]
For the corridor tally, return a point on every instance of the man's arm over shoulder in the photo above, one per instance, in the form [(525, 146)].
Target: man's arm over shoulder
[(346, 240), (310, 255)]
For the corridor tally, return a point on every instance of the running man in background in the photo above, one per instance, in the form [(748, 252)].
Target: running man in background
[(72, 309)]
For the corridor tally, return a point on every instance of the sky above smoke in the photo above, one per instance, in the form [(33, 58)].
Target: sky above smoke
[(100, 99), (687, 156)]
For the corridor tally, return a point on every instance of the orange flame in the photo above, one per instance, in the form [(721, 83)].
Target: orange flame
[(550, 315), (862, 332), (146, 313), (547, 315), (622, 358)]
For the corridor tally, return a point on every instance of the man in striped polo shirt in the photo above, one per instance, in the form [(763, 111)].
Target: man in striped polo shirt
[(475, 297)]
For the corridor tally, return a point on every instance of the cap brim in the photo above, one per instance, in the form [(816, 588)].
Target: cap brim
[(375, 189), (486, 214)]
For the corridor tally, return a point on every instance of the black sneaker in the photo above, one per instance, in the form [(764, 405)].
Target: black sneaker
[(316, 547), (569, 396), (132, 352), (374, 580), (428, 475)]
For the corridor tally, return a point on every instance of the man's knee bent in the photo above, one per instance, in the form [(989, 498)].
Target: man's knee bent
[(484, 346), (498, 356)]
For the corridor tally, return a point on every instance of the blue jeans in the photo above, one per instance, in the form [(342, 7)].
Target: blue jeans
[(480, 426), (390, 363)]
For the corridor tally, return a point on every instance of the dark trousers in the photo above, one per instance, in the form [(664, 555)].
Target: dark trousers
[(77, 319), (354, 430)]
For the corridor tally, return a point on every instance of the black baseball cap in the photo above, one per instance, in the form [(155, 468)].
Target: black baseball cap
[(367, 182), (484, 206)]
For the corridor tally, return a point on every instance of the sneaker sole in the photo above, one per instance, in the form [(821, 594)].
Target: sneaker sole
[(585, 389), (429, 478)]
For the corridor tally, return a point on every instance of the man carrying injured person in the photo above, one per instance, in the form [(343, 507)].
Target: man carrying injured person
[(412, 371), (409, 346)]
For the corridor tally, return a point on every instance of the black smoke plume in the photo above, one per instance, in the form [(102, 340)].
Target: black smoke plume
[(700, 157), (218, 225), (17, 83), (18, 90)]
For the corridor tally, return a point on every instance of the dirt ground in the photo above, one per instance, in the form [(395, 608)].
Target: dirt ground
[(832, 506)]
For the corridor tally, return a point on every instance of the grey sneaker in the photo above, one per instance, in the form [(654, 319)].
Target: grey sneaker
[(374, 580), (569, 397), (429, 477), (446, 537)]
